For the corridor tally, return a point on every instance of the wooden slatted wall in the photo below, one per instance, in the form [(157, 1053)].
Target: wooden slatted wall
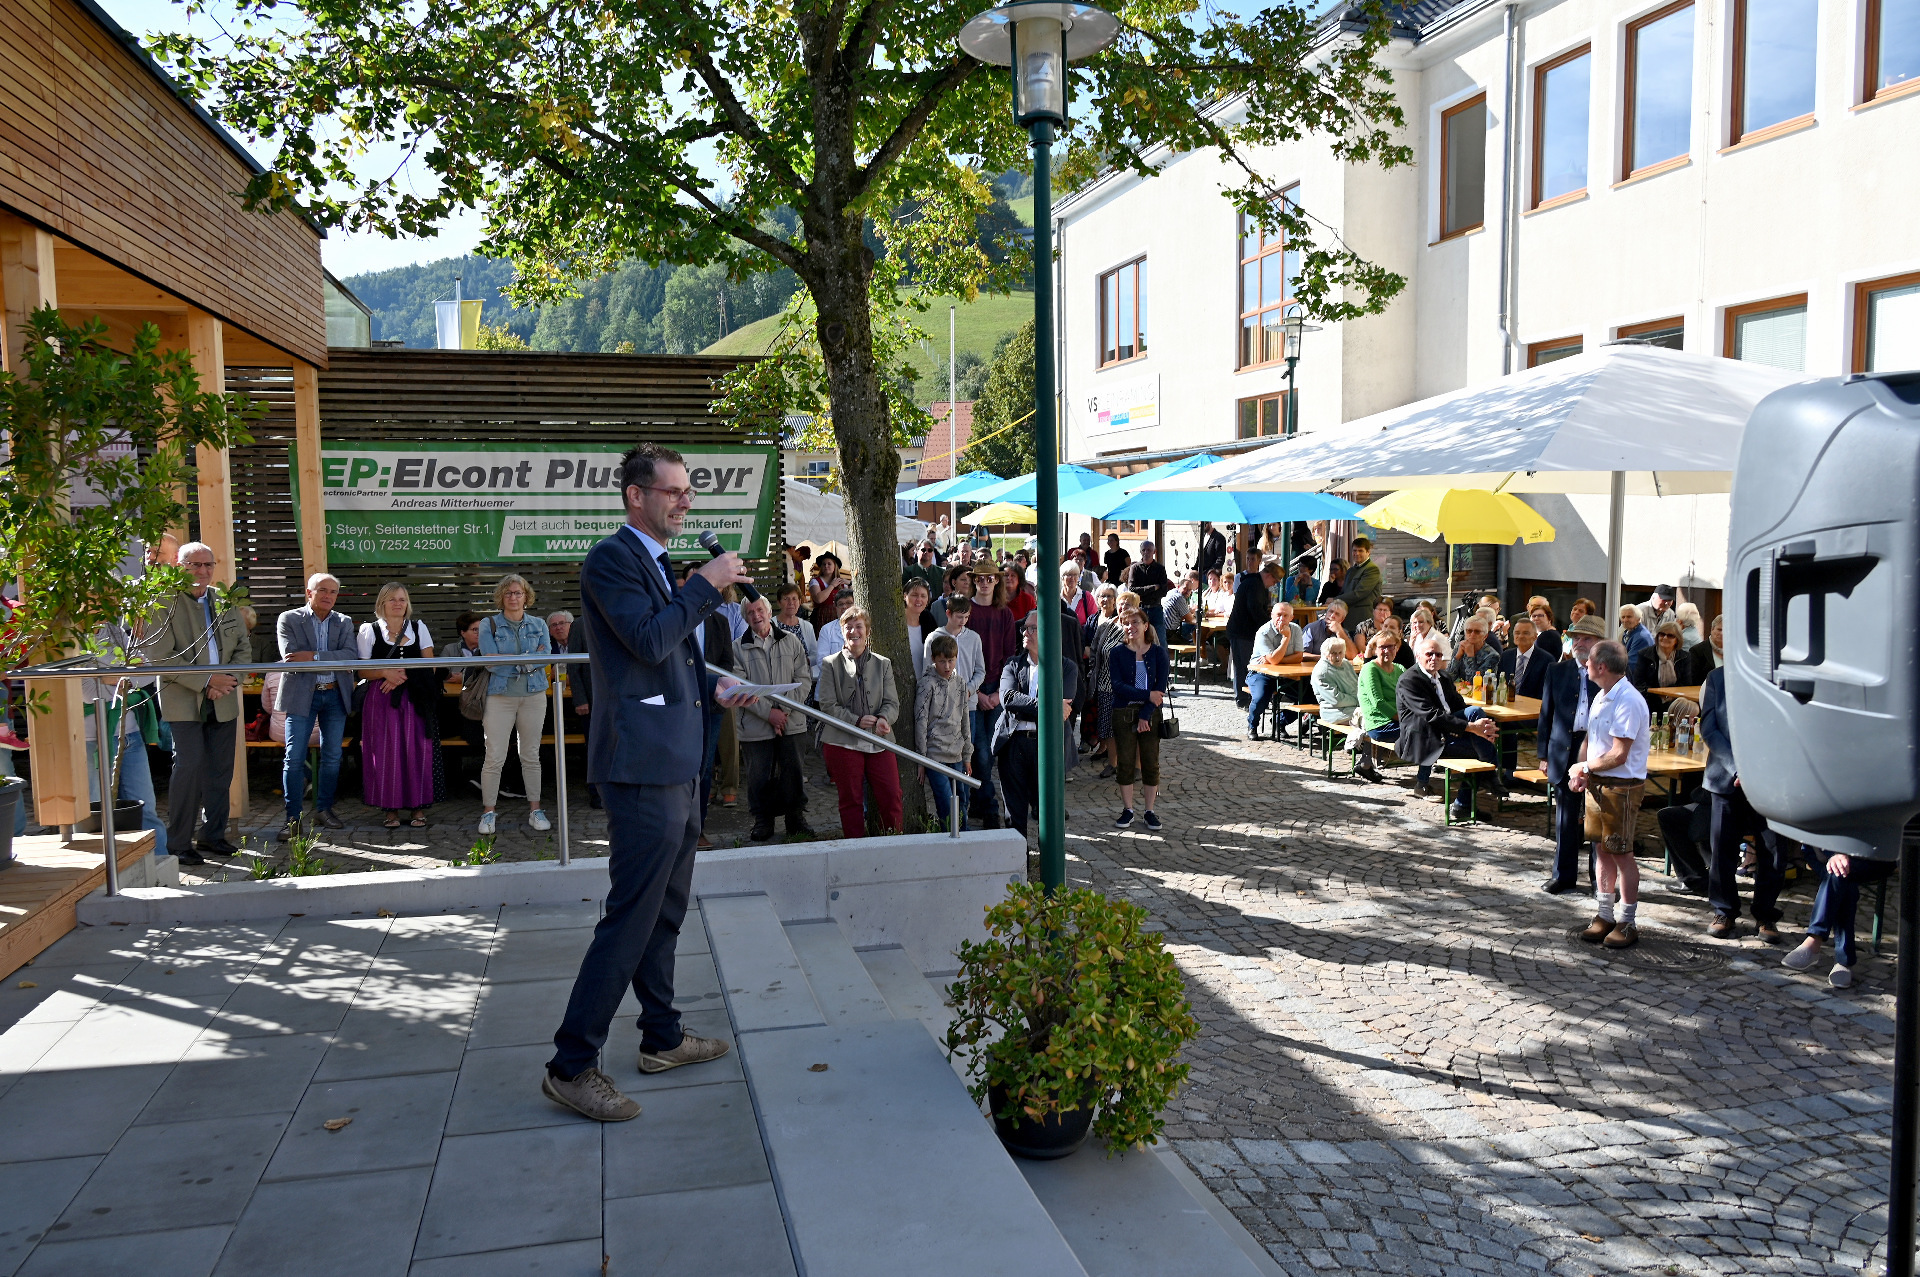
[(96, 147), (461, 396)]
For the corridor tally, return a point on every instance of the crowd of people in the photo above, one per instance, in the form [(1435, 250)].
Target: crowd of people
[(973, 631)]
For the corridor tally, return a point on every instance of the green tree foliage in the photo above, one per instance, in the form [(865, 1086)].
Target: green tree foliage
[(100, 446), (1005, 397), (494, 337), (402, 299), (591, 133)]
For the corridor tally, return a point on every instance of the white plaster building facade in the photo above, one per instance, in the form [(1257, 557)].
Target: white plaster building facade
[(1734, 177)]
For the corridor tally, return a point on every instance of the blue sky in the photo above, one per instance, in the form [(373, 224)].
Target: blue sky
[(344, 254)]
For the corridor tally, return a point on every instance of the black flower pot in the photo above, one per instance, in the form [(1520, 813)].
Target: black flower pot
[(126, 817), (1054, 1136), (13, 792)]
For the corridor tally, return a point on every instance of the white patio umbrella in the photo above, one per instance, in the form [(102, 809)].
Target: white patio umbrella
[(1625, 419), (814, 517)]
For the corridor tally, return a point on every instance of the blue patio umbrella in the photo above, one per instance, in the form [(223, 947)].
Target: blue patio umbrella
[(1234, 507), (1097, 500), (959, 488), (1021, 490)]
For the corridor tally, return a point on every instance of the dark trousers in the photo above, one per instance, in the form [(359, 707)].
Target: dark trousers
[(982, 803), (1570, 844), (1837, 903), (202, 774), (710, 740), (773, 778), (1681, 828), (1241, 650), (1733, 820), (653, 830), (1157, 618), (1020, 777)]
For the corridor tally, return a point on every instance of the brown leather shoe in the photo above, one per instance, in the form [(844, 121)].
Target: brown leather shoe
[(591, 1094), (1624, 936), (1597, 930), (693, 1049)]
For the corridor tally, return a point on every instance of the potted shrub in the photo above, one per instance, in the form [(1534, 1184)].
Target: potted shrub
[(1074, 1017)]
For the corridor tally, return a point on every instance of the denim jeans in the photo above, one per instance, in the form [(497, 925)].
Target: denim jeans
[(329, 709), (1157, 618), (135, 780), (981, 723), (943, 787), (1837, 903)]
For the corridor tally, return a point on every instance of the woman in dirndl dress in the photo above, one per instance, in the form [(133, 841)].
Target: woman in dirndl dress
[(400, 721)]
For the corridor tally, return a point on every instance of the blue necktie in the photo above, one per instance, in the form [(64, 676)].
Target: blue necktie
[(666, 570)]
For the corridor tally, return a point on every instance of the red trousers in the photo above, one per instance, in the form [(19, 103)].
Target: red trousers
[(852, 772)]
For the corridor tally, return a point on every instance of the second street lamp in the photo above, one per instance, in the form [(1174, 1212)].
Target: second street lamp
[(1037, 39)]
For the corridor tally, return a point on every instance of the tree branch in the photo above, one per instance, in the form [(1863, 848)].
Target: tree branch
[(912, 123), (744, 124)]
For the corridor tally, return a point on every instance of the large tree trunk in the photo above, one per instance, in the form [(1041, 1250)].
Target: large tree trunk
[(869, 471)]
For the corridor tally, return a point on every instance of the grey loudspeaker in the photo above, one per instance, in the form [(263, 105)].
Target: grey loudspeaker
[(1823, 611)]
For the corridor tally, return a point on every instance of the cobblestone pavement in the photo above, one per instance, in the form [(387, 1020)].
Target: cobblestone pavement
[(1408, 1064)]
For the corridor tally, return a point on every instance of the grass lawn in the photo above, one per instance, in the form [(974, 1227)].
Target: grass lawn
[(978, 328)]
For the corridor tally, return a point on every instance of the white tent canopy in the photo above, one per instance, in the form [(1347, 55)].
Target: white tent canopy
[(1669, 422), (814, 517), (1623, 420)]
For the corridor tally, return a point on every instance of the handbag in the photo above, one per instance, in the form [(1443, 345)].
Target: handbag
[(473, 688), (1169, 727)]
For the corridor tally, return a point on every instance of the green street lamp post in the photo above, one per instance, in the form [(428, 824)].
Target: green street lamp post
[(1037, 39), (1292, 325)]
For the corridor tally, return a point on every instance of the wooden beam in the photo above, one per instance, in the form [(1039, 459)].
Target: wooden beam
[(214, 500), (306, 425), (93, 283), (58, 747)]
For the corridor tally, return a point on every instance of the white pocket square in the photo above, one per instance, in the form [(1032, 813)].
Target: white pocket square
[(654, 700)]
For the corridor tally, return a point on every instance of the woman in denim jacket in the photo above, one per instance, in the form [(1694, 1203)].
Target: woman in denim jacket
[(516, 696)]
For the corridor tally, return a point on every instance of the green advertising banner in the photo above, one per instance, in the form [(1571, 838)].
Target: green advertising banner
[(497, 502)]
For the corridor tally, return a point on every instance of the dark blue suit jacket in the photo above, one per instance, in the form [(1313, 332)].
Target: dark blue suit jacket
[(650, 689), (1721, 768), (1559, 705), (1537, 666)]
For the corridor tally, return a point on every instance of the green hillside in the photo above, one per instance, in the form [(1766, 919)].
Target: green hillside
[(1022, 209), (978, 328)]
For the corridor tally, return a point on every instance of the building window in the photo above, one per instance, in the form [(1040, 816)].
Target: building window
[(1262, 416), (1671, 333), (1123, 313), (1269, 269), (1546, 352), (1561, 89), (1659, 87), (1893, 46), (1886, 324), (1770, 332), (1774, 42), (1126, 528), (1463, 167)]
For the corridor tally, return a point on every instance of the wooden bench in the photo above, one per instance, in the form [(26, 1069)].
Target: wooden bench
[(1463, 768), (1176, 652), (1532, 775)]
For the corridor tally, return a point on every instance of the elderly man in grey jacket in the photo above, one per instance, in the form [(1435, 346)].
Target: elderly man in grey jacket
[(314, 633), (770, 733)]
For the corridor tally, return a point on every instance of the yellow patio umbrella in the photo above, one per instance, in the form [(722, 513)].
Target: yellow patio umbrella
[(1001, 514), (1471, 516)]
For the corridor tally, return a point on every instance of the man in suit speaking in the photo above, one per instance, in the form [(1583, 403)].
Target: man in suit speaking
[(644, 751)]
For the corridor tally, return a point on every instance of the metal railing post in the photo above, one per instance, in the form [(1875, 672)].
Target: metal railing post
[(105, 768), (560, 760)]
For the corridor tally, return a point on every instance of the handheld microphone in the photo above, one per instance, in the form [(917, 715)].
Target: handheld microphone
[(711, 544)]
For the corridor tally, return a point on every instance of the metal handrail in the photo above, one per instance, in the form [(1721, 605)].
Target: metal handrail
[(841, 725), (68, 667)]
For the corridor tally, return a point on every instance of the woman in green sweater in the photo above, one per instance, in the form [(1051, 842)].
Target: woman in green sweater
[(1379, 681)]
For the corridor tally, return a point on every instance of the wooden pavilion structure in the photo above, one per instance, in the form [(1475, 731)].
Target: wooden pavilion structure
[(119, 199)]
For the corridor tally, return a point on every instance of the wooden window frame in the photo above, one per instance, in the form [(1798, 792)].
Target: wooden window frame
[(1870, 90), (1737, 106), (1480, 100), (1279, 247), (1734, 314), (1540, 123), (1626, 331), (1862, 294), (1632, 55), (1125, 527), (1137, 265), (1280, 432), (1535, 349)]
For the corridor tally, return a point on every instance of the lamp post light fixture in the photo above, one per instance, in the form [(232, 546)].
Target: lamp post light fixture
[(1037, 39), (1292, 324)]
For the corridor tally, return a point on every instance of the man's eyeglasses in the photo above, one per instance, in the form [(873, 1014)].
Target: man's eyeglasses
[(679, 496), (198, 563)]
